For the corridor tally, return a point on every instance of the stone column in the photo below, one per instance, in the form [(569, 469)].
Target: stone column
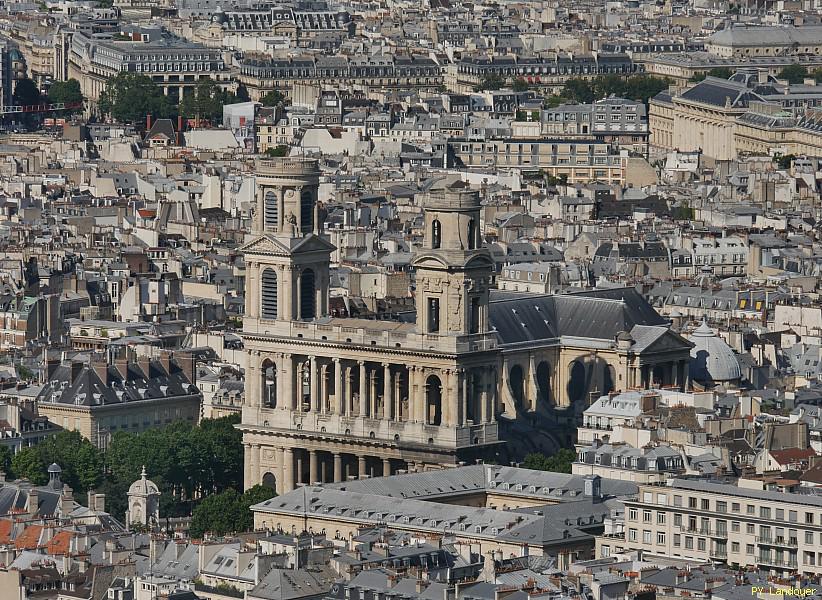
[(313, 467), (339, 391), (372, 394), (361, 467), (299, 470), (324, 395), (280, 471), (287, 295), (462, 394), (386, 391), (288, 469), (297, 304), (412, 393), (298, 392), (397, 396), (338, 474), (248, 465), (363, 386), (386, 467), (313, 387), (482, 415), (449, 394), (288, 382)]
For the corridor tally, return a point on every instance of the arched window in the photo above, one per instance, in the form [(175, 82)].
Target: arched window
[(436, 234), (271, 211), (308, 300), (268, 294), (472, 234), (306, 211)]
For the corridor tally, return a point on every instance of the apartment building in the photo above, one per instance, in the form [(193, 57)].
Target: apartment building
[(578, 161), (550, 72), (616, 120), (724, 522), (261, 76), (174, 64)]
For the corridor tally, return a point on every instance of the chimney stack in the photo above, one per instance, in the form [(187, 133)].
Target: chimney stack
[(148, 123)]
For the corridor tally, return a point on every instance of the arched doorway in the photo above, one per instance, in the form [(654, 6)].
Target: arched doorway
[(308, 298), (517, 383), (608, 379), (433, 400), (268, 294), (270, 481), (577, 385), (544, 383)]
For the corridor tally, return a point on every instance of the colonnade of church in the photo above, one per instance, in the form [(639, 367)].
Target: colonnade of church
[(381, 390)]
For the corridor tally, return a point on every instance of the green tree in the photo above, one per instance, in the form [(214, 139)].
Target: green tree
[(784, 161), (578, 90), (206, 101), (80, 461), (793, 73), (718, 72), (490, 83), (227, 512), (28, 463), (129, 97), (242, 94), (65, 91), (25, 93), (519, 85), (272, 98), (278, 151), (5, 459), (559, 463)]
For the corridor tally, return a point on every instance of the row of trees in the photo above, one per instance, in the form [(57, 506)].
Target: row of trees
[(190, 464), (637, 87), (129, 97), (26, 93)]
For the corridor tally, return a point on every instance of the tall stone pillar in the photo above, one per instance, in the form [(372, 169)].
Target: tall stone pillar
[(324, 395), (412, 393), (361, 465), (338, 474), (280, 471), (339, 391), (288, 382), (372, 394), (386, 467), (288, 470), (248, 467), (397, 396), (313, 467), (386, 391), (299, 470), (363, 388), (313, 386)]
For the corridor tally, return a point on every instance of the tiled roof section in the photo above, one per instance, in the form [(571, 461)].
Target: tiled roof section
[(60, 544), (30, 538), (791, 455), (6, 528)]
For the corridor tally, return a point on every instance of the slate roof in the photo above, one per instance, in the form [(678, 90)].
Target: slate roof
[(288, 584), (595, 314), (720, 92)]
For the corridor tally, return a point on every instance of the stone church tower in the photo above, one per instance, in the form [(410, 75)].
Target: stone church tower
[(329, 398)]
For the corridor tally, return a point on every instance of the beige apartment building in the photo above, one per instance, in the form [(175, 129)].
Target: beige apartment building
[(580, 161), (723, 523)]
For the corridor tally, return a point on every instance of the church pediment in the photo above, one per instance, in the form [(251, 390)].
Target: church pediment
[(661, 341), (312, 243), (265, 244)]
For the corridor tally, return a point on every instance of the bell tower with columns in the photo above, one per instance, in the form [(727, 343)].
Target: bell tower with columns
[(287, 259), (453, 269)]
